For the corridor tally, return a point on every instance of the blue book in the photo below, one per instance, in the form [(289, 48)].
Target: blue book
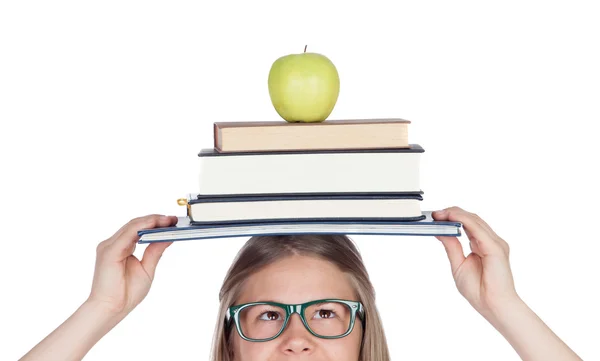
[(184, 231)]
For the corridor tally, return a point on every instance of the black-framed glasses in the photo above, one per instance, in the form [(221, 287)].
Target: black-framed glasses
[(325, 318)]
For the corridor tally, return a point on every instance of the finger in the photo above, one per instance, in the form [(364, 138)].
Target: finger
[(152, 255), (499, 240), (124, 244), (478, 220), (484, 241), (469, 220), (454, 251), (133, 222), (481, 224)]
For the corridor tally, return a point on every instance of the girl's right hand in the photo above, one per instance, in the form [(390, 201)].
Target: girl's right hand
[(121, 281), (484, 277)]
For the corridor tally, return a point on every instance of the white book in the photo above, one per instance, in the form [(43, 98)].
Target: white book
[(261, 208), (315, 171)]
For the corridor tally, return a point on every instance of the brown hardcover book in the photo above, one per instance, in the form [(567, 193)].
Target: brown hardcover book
[(329, 134)]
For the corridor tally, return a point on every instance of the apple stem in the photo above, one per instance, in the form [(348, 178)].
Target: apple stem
[(305, 48)]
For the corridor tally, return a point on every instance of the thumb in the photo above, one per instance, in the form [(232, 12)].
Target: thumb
[(152, 255), (454, 251), (451, 244)]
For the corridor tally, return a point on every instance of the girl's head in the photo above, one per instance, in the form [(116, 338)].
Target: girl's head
[(292, 270)]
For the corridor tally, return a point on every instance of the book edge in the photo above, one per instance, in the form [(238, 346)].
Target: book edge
[(327, 122), (413, 148)]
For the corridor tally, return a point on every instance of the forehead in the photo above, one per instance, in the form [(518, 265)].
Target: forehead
[(297, 279)]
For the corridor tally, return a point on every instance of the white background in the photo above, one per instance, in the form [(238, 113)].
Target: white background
[(105, 105)]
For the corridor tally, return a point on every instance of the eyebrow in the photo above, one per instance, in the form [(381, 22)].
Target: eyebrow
[(271, 300)]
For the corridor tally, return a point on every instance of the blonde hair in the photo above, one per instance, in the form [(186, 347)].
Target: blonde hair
[(259, 251)]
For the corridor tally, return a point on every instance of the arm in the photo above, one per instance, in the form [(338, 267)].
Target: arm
[(77, 335), (531, 338), (485, 279), (121, 282)]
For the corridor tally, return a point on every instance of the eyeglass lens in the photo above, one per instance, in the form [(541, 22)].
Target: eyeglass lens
[(265, 321)]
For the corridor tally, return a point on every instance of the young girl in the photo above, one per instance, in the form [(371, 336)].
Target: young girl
[(302, 296)]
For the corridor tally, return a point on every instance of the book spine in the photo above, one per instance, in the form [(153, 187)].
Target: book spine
[(216, 144)]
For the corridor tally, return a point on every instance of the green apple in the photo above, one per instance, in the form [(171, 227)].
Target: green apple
[(304, 87)]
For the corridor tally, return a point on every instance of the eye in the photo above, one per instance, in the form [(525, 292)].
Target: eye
[(325, 314), (270, 316)]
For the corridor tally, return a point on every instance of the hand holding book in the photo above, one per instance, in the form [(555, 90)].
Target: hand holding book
[(484, 277), (121, 281)]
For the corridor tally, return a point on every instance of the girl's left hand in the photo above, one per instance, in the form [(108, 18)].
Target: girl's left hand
[(484, 277)]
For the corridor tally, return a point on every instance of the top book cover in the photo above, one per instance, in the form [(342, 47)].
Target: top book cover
[(268, 136)]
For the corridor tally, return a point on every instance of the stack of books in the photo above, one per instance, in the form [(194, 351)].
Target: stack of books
[(358, 176)]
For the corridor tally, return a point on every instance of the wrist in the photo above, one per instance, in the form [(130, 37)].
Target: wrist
[(512, 318), (501, 312), (529, 336), (506, 305), (101, 313), (104, 306)]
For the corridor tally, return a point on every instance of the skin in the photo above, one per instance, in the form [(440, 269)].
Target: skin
[(483, 278), (298, 279)]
